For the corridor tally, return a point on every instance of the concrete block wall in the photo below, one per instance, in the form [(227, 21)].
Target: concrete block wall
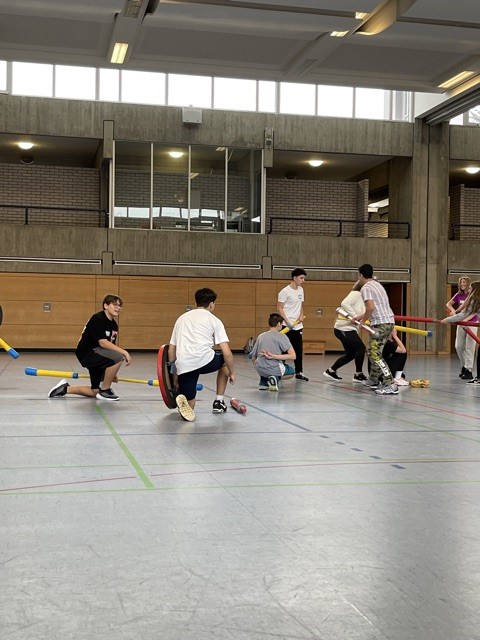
[(465, 209)]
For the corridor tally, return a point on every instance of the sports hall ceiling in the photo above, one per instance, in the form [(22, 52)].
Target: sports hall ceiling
[(398, 44)]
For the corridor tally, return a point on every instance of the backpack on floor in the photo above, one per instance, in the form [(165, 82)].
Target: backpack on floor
[(250, 344)]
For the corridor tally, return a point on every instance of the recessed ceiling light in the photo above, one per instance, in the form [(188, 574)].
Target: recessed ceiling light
[(193, 175), (119, 53), (315, 163), (175, 154), (338, 34), (25, 145), (220, 149), (460, 77), (359, 15), (472, 169)]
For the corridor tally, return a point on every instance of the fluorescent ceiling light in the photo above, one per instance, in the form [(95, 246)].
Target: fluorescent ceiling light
[(193, 175), (175, 154), (472, 169), (315, 163), (460, 77), (119, 53), (338, 34), (25, 145), (359, 15), (220, 149)]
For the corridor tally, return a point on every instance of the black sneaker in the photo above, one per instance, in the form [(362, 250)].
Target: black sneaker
[(467, 375), (272, 383), (219, 406), (359, 377), (460, 375), (59, 390), (332, 375), (300, 376), (106, 394), (474, 381)]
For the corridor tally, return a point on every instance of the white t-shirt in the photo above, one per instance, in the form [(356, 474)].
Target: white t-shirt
[(292, 300), (194, 334)]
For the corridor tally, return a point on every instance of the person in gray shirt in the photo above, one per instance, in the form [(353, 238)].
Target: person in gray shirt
[(269, 352)]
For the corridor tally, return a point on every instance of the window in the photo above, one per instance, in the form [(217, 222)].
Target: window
[(267, 96), (75, 82), (335, 101), (32, 79), (186, 91), (474, 115), (3, 75), (109, 85), (240, 95), (372, 103), (297, 99), (143, 87)]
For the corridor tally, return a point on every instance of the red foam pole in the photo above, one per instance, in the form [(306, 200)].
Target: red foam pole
[(416, 319), (471, 334)]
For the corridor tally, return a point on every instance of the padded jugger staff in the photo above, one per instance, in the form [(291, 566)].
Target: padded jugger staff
[(30, 371)]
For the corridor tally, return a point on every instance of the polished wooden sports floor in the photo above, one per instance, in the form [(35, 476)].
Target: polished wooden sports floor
[(325, 513)]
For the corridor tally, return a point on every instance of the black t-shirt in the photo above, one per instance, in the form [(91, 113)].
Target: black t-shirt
[(99, 327)]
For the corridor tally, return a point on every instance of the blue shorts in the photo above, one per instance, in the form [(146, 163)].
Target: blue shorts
[(187, 382)]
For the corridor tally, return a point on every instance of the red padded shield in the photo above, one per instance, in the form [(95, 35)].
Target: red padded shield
[(165, 378)]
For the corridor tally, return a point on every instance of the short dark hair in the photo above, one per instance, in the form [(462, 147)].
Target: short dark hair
[(366, 270), (274, 319), (298, 272), (111, 297), (203, 297)]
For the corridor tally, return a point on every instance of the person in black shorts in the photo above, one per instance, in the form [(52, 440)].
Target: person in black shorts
[(98, 352)]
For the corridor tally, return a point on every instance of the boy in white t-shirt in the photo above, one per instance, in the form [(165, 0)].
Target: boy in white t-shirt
[(290, 307), (191, 349)]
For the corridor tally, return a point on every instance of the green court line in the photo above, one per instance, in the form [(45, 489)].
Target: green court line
[(133, 461), (385, 484)]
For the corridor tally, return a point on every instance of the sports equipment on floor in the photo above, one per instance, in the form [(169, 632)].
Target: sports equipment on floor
[(10, 350), (238, 405)]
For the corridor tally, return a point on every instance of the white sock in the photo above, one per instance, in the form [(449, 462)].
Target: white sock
[(398, 375), (219, 398)]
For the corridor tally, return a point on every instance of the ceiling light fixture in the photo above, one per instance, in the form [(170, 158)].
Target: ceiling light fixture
[(315, 163), (175, 154), (359, 15), (459, 78), (119, 53), (25, 145), (220, 149), (193, 175), (472, 170), (338, 34)]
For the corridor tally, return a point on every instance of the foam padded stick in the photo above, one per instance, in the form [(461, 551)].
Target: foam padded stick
[(287, 329), (10, 350), (420, 332), (238, 405)]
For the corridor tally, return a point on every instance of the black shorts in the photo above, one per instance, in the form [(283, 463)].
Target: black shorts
[(97, 361), (187, 382)]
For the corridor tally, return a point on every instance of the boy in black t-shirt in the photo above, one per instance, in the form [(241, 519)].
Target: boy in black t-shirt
[(96, 350)]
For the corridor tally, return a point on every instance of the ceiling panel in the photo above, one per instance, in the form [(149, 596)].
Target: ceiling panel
[(454, 11)]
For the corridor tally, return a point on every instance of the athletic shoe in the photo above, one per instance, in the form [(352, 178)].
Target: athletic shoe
[(263, 387), (387, 390), (332, 375), (401, 382), (184, 409), (474, 381), (460, 375), (219, 406), (106, 394), (59, 390), (371, 384), (467, 375), (359, 377), (300, 376), (272, 383)]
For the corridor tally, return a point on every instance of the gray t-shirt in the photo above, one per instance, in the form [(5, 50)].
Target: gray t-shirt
[(276, 343)]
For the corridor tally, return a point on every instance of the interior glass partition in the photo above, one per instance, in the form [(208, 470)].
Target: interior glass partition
[(170, 186), (132, 185), (207, 188), (244, 190)]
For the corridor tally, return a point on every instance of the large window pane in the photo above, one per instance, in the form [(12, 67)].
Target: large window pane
[(243, 195), (474, 115), (240, 95), (335, 101), (267, 96), (170, 187), (109, 85), (74, 82), (402, 105), (297, 98), (3, 75), (186, 91), (32, 79), (143, 87), (132, 185), (372, 103), (207, 189)]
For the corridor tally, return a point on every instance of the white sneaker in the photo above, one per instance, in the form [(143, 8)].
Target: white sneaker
[(387, 390), (401, 382), (184, 409)]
